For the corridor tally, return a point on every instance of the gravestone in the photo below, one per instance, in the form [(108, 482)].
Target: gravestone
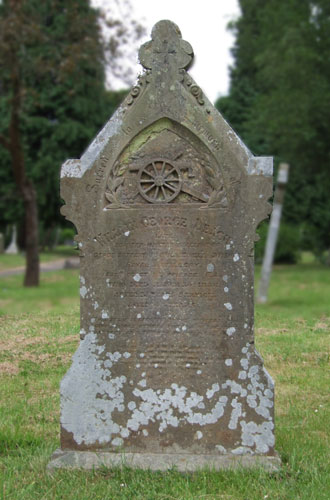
[(12, 247), (166, 201), (2, 243)]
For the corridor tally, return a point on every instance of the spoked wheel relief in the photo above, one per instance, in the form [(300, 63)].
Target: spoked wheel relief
[(159, 181)]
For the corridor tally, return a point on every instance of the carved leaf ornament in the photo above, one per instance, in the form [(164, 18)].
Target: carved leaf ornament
[(115, 180)]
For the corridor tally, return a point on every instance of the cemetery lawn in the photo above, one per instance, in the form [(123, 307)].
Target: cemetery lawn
[(14, 261), (38, 334)]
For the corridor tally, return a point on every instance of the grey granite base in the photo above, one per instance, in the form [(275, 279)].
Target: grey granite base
[(69, 459)]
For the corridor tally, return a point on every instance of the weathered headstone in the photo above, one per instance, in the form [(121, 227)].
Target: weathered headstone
[(166, 201), (12, 247)]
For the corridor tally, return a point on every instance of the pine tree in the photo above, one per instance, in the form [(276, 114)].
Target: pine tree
[(279, 101), (52, 102)]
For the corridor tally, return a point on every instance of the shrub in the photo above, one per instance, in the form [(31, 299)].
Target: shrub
[(287, 247), (67, 235)]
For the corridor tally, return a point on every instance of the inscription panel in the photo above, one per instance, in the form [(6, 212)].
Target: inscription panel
[(159, 291)]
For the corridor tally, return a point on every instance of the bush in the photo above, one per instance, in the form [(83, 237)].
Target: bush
[(288, 244), (67, 235), (312, 241)]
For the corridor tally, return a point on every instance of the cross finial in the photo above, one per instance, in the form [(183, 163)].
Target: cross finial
[(166, 48)]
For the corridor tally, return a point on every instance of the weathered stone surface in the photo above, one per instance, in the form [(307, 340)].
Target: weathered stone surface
[(166, 201), (160, 461)]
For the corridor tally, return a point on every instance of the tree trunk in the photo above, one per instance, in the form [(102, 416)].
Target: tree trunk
[(29, 197), (13, 143), (31, 277), (327, 260), (25, 186)]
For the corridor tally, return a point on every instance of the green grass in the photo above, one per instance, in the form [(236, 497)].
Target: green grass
[(57, 293), (60, 252), (38, 334)]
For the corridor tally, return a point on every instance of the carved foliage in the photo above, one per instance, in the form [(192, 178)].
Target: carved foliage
[(112, 192), (194, 89), (137, 89), (133, 94), (218, 197)]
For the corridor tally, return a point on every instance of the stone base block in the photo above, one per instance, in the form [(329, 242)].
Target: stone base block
[(69, 459)]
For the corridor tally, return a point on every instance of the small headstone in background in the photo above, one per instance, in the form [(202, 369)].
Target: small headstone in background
[(12, 248), (2, 243), (166, 202)]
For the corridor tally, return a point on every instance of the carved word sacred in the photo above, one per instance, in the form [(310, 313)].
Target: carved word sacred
[(166, 201)]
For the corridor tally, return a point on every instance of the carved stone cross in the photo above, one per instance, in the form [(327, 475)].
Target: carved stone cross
[(166, 48)]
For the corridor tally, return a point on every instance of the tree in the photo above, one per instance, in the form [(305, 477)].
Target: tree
[(279, 101), (14, 35), (52, 102), (243, 85), (121, 32)]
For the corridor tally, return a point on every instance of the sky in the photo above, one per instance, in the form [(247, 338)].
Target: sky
[(204, 26)]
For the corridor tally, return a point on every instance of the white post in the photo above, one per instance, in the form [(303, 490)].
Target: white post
[(12, 248), (272, 235)]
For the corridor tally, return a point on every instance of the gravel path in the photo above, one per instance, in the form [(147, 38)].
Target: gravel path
[(55, 265)]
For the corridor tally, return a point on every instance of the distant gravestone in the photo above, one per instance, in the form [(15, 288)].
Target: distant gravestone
[(12, 247), (166, 201), (2, 243)]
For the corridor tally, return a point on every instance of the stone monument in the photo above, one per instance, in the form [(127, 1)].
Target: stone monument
[(166, 201), (12, 247)]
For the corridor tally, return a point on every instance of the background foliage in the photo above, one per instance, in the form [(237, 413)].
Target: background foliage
[(64, 100), (279, 102), (279, 99)]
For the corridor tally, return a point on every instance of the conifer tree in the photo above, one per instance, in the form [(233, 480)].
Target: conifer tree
[(52, 101), (279, 101)]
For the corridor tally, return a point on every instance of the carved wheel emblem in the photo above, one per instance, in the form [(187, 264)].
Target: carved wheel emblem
[(159, 182)]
